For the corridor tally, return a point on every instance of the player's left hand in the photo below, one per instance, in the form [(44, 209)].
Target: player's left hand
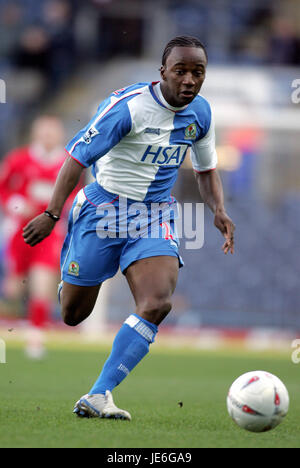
[(227, 228)]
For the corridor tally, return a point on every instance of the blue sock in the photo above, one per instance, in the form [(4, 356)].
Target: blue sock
[(131, 344)]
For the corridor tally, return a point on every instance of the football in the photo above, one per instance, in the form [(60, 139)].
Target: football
[(258, 401)]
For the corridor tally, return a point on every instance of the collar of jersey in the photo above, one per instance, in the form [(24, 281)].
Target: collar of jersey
[(158, 96)]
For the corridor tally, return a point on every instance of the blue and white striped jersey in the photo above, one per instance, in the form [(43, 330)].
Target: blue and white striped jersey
[(136, 142)]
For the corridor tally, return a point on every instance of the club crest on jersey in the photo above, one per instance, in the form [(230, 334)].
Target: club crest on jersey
[(73, 269), (190, 132), (90, 134)]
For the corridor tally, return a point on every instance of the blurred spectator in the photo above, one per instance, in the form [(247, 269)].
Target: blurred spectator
[(26, 183), (120, 28), (120, 36), (58, 21), (284, 43), (240, 177), (34, 50), (47, 47), (10, 29)]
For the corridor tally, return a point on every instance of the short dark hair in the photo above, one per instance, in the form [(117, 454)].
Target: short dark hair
[(182, 41)]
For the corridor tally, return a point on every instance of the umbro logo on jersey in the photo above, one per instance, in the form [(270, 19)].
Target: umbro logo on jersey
[(153, 131), (90, 134)]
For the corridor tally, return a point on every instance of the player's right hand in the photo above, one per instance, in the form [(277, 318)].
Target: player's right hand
[(227, 228), (38, 229)]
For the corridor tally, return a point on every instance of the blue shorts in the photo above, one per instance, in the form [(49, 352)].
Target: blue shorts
[(106, 232)]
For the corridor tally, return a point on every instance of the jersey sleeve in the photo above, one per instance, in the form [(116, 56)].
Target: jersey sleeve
[(110, 124), (203, 153)]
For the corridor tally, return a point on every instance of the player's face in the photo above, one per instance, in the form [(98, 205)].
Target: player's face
[(183, 75), (48, 132)]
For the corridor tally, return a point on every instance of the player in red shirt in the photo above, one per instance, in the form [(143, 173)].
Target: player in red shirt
[(27, 178)]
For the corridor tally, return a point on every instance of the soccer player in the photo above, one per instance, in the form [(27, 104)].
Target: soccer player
[(136, 143), (27, 178)]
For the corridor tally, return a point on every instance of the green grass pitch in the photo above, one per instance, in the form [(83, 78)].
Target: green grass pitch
[(37, 400)]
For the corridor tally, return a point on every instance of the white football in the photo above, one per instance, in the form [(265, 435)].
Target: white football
[(258, 401)]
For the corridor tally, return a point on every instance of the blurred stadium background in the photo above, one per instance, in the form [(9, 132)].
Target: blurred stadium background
[(65, 56)]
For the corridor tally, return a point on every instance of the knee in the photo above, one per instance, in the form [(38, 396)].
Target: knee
[(71, 316), (155, 309)]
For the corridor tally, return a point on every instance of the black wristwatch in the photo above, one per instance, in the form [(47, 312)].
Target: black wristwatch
[(52, 216)]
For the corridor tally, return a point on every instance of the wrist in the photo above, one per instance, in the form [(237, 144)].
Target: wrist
[(55, 210), (52, 216), (219, 210)]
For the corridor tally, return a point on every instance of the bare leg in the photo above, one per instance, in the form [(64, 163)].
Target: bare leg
[(152, 282), (77, 302)]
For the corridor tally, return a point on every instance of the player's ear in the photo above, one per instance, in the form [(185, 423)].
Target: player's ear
[(162, 72)]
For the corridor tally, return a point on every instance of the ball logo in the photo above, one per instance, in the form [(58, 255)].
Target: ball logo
[(252, 380), (190, 132), (73, 269), (277, 399)]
